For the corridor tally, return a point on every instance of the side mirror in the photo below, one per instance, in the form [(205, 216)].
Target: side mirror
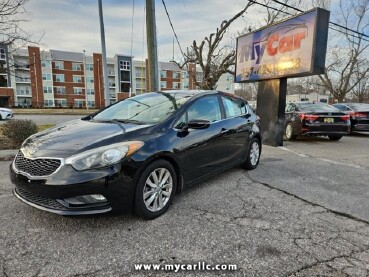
[(197, 124)]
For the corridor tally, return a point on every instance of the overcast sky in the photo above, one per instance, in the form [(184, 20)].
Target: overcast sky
[(73, 25)]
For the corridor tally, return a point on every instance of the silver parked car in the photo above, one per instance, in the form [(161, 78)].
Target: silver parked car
[(5, 113)]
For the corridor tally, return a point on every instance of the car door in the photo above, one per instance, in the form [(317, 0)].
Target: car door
[(236, 129), (201, 151)]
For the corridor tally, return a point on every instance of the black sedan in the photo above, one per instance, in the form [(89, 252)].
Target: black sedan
[(137, 153), (319, 119), (359, 115)]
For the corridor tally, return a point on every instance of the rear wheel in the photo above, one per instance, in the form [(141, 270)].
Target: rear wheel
[(253, 155), (335, 137), (289, 132), (155, 189)]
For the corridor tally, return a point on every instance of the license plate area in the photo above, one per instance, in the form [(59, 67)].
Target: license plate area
[(328, 120)]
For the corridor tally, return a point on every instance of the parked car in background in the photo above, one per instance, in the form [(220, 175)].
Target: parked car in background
[(137, 153), (5, 113), (318, 119), (359, 115)]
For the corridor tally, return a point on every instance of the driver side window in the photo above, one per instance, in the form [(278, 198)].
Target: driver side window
[(206, 108)]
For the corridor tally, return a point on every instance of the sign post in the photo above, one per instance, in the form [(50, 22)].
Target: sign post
[(295, 47)]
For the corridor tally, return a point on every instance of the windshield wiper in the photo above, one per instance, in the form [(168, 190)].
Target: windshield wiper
[(128, 121)]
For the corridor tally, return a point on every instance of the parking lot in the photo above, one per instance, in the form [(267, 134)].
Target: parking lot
[(302, 212)]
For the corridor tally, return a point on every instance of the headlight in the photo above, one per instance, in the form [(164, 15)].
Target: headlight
[(103, 156)]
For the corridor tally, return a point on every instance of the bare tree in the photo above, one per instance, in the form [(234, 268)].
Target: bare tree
[(12, 13), (213, 59), (348, 58)]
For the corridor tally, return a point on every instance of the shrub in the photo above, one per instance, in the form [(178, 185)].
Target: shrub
[(17, 130)]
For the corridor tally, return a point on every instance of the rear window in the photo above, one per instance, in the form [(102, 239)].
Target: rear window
[(317, 107), (360, 107)]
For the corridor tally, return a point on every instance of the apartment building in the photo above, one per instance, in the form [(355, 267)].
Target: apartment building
[(53, 78)]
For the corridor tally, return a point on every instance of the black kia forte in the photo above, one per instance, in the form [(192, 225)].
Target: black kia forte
[(318, 119), (136, 154)]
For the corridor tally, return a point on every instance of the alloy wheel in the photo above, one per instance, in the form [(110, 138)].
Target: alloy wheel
[(158, 189), (254, 153)]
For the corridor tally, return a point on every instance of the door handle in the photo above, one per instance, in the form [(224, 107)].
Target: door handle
[(224, 131)]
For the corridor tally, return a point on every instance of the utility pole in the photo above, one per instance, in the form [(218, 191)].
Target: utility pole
[(152, 48), (103, 49)]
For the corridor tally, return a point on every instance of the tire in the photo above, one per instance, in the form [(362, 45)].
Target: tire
[(288, 132), (158, 195), (335, 137), (253, 155)]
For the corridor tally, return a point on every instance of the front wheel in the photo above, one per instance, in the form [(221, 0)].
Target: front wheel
[(335, 137), (155, 189), (253, 155)]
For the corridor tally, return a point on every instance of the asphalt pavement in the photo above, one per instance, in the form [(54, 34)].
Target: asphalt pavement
[(300, 213)]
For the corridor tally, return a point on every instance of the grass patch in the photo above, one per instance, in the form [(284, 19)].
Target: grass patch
[(44, 127)]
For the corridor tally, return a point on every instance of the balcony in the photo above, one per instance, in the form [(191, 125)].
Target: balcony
[(23, 80), (24, 93)]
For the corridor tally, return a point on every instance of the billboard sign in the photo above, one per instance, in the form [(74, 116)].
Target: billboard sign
[(292, 48)]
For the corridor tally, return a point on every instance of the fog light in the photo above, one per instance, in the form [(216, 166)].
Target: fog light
[(98, 197)]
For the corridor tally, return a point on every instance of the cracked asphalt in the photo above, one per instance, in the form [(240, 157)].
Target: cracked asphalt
[(302, 212)]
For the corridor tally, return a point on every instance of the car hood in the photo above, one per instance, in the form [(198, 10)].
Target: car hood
[(76, 136), (5, 110)]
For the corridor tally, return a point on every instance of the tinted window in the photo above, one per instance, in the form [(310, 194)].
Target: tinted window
[(317, 107), (206, 108), (149, 108), (233, 107), (360, 107)]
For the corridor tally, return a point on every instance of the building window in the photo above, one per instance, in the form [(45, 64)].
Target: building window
[(91, 104), (176, 75), (59, 78), (185, 75), (163, 74), (163, 84), (60, 102), (89, 79), (46, 77), (2, 54), (76, 67), (186, 84), (77, 90), (48, 89), (77, 79), (48, 103), (78, 103), (89, 67), (59, 65), (176, 85), (23, 91), (60, 90), (125, 65), (90, 91), (111, 85), (46, 63)]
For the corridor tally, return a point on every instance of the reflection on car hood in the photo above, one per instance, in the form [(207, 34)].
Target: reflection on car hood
[(5, 110), (75, 136)]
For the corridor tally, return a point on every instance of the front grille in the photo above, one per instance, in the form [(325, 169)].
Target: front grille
[(36, 167), (39, 200)]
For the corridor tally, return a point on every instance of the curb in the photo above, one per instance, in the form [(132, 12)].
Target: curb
[(7, 155)]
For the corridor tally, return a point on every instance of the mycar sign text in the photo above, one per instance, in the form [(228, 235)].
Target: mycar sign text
[(292, 48)]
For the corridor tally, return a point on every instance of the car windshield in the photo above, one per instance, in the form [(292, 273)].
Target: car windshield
[(317, 107), (148, 108), (359, 107)]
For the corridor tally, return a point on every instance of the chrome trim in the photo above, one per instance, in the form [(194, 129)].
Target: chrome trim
[(58, 211), (31, 177)]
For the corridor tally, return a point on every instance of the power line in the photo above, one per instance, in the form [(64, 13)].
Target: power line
[(333, 23), (174, 32)]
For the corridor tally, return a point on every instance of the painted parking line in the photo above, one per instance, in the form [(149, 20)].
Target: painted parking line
[(320, 159)]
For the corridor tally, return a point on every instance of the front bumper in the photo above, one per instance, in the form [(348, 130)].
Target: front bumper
[(65, 192)]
